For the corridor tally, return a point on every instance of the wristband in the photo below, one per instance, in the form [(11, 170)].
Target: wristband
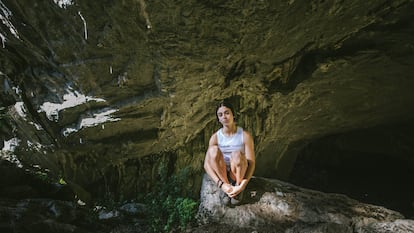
[(219, 183)]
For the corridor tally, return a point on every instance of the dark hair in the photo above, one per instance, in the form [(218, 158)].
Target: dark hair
[(226, 104)]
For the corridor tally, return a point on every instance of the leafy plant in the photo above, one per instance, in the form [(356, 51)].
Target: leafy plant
[(169, 210)]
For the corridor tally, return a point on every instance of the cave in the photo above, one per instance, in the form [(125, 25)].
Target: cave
[(372, 165)]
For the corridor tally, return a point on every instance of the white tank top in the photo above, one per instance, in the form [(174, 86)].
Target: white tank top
[(230, 144)]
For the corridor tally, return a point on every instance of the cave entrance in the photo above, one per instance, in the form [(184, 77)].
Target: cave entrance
[(373, 166)]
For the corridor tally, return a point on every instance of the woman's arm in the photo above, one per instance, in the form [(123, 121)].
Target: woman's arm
[(213, 140), (250, 156)]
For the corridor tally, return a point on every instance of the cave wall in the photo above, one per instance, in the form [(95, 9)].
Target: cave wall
[(102, 92), (373, 165)]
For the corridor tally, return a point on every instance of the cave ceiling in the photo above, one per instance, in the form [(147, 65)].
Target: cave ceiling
[(111, 81)]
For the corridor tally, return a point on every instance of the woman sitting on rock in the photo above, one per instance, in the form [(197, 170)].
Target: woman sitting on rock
[(230, 158)]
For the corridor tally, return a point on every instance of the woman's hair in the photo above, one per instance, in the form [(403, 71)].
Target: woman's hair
[(225, 103)]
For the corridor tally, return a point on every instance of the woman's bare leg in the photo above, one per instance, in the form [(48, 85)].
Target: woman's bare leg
[(216, 167), (238, 165)]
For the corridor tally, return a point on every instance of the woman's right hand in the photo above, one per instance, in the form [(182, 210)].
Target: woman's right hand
[(227, 188)]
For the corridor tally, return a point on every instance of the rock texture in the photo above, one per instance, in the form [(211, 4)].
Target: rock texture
[(273, 206), (32, 204), (102, 92)]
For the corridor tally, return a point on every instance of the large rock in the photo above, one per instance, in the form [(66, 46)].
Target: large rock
[(272, 203)]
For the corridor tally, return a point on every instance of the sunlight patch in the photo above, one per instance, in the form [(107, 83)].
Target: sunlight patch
[(19, 106), (63, 3), (96, 119), (8, 150), (5, 18), (71, 99)]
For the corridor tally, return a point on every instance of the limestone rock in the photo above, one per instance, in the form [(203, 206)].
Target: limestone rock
[(270, 202), (102, 92)]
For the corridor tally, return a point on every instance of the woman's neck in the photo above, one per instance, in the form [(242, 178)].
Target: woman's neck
[(229, 130)]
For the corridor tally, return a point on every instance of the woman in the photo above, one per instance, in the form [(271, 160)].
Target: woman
[(230, 158)]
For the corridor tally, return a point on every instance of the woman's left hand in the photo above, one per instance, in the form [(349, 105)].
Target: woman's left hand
[(236, 190)]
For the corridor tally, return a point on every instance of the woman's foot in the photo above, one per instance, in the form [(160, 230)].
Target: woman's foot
[(226, 188), (237, 199), (224, 198)]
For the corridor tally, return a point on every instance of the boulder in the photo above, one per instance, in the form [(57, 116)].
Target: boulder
[(288, 208)]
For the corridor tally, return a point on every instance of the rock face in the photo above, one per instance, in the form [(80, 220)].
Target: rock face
[(32, 203), (102, 92), (272, 204)]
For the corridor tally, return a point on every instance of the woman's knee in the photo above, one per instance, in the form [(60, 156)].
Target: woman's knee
[(238, 157)]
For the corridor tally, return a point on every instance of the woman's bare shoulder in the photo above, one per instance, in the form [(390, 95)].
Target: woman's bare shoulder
[(247, 135), (213, 139)]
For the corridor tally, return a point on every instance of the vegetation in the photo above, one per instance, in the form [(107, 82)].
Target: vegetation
[(168, 209)]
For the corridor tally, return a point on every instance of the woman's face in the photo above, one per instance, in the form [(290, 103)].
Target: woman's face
[(225, 116)]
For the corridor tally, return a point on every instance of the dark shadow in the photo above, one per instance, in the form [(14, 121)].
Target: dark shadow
[(372, 166)]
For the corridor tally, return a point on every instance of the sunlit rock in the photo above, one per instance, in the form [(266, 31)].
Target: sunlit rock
[(268, 203)]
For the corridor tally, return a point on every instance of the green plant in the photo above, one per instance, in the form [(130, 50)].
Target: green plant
[(169, 210), (186, 209)]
